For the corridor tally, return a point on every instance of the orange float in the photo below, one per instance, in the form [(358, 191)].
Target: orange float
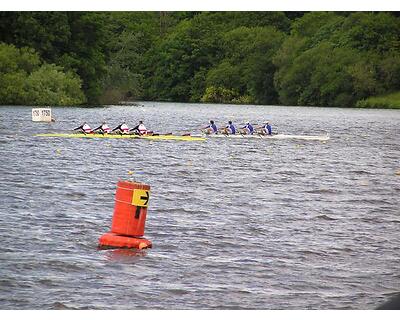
[(130, 211), (111, 240)]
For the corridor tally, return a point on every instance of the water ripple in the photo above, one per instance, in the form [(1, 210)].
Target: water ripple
[(235, 224)]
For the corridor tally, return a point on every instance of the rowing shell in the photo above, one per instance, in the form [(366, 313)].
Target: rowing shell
[(119, 136), (274, 136)]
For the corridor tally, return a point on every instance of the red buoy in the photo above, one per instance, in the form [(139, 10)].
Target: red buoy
[(130, 211)]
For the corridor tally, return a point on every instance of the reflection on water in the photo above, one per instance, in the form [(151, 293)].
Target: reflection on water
[(124, 255)]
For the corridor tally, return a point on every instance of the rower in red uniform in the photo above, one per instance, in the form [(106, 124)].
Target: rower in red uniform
[(140, 129), (122, 128), (84, 128), (103, 128)]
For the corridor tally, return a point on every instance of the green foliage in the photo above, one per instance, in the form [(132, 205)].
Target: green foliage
[(247, 64), (13, 59), (86, 48), (49, 85), (295, 58), (23, 80), (12, 88), (250, 19), (120, 84), (73, 40), (311, 23), (317, 76), (122, 79), (371, 31), (223, 95), (391, 100), (46, 32), (175, 60), (226, 75), (332, 60)]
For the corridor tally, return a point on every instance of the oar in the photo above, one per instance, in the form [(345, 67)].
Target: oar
[(77, 132), (160, 134), (253, 124), (191, 129)]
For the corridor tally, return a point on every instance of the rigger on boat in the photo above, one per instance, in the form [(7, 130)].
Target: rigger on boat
[(122, 131), (123, 136), (249, 131)]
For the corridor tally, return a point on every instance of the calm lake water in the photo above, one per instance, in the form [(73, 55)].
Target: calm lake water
[(235, 224)]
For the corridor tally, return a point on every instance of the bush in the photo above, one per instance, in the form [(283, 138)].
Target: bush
[(50, 86), (224, 95), (389, 101), (24, 81)]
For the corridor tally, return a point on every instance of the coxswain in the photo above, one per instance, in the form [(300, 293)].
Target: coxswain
[(248, 128), (84, 128), (230, 128), (103, 128), (211, 128), (122, 128), (140, 129)]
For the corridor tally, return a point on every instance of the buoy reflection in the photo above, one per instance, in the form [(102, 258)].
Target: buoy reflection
[(124, 255)]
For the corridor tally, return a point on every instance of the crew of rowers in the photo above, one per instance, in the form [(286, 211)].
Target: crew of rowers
[(265, 129), (141, 129), (123, 128)]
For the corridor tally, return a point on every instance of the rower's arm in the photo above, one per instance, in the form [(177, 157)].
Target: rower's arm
[(135, 128), (80, 127)]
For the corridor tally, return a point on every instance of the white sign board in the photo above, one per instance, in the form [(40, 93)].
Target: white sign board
[(41, 114)]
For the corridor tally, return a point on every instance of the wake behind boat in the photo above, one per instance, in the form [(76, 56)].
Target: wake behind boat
[(278, 136)]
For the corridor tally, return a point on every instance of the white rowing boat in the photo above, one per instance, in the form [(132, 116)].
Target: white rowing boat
[(278, 136)]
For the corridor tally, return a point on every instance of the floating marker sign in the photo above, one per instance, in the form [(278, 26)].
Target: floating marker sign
[(140, 197), (41, 114)]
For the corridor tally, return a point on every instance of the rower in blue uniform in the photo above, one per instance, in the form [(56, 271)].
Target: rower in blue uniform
[(230, 128), (248, 128), (266, 129), (211, 128)]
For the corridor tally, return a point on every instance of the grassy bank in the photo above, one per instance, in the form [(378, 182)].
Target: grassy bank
[(388, 101)]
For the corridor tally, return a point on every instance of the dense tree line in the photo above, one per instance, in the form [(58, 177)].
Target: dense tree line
[(294, 58)]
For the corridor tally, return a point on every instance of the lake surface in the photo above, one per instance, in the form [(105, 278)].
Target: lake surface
[(235, 223)]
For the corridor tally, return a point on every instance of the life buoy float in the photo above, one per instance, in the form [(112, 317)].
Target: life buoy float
[(112, 240)]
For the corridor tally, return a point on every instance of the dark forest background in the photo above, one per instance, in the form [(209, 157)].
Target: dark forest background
[(329, 59)]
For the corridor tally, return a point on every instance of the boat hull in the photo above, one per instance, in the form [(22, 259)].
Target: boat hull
[(119, 136), (268, 137), (187, 138)]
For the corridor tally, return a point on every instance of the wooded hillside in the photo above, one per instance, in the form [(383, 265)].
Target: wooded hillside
[(329, 59)]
